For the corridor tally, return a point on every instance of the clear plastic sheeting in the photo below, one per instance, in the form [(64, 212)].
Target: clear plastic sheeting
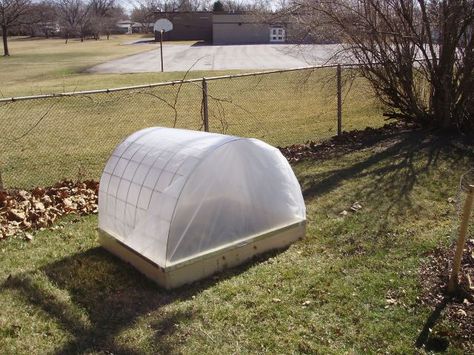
[(172, 195)]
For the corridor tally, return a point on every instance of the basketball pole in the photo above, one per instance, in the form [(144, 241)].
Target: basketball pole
[(161, 49)]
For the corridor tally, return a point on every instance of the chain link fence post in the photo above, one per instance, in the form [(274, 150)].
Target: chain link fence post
[(339, 99), (205, 106)]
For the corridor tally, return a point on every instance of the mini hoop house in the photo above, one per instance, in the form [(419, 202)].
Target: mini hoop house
[(180, 205)]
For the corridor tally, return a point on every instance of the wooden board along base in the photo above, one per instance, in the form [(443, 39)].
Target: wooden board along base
[(190, 270)]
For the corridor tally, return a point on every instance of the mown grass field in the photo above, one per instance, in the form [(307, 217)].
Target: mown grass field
[(329, 293), (51, 139), (38, 66)]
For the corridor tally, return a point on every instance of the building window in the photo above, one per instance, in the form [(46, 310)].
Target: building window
[(277, 34)]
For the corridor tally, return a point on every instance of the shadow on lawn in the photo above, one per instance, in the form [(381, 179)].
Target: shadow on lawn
[(113, 296), (383, 183), (394, 169), (436, 344)]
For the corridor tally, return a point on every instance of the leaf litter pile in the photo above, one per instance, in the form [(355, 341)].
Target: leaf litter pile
[(345, 143), (23, 211), (458, 309)]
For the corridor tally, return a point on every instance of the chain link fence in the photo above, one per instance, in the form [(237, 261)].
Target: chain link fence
[(48, 138)]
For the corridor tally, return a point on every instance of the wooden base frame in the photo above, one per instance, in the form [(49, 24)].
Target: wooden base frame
[(198, 267)]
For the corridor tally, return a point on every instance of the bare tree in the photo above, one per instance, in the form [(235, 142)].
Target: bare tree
[(246, 6), (74, 17), (417, 54), (41, 19), (100, 12), (189, 5), (144, 10), (11, 12), (109, 22)]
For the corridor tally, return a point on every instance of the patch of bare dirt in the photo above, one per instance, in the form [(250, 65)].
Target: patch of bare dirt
[(457, 310), (345, 143)]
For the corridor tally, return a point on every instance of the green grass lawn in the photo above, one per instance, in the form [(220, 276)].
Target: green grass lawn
[(61, 293), (38, 66)]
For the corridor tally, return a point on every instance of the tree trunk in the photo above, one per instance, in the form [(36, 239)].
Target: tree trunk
[(443, 98), (6, 52), (443, 102), (444, 86)]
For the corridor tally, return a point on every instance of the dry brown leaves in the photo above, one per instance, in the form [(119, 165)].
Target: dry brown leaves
[(347, 142), (459, 310), (23, 211)]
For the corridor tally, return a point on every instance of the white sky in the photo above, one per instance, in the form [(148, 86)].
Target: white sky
[(129, 4)]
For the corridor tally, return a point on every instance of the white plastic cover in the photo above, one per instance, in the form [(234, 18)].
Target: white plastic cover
[(174, 194)]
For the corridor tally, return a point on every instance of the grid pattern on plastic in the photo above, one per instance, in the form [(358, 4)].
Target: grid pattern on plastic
[(141, 183)]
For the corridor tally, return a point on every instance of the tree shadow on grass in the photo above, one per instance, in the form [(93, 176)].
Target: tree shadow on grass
[(397, 182), (105, 297), (393, 170), (385, 180)]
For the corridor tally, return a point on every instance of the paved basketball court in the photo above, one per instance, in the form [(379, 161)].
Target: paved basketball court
[(179, 57)]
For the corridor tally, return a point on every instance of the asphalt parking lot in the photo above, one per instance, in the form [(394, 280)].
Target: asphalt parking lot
[(183, 57)]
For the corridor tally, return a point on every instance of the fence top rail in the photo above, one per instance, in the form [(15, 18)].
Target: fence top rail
[(169, 83)]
